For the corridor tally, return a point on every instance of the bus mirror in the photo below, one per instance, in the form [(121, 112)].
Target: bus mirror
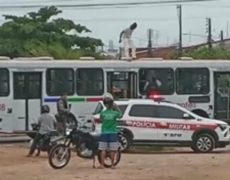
[(70, 105)]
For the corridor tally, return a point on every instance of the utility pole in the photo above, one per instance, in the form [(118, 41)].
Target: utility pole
[(150, 34), (222, 38), (209, 31), (227, 29), (222, 35), (180, 30)]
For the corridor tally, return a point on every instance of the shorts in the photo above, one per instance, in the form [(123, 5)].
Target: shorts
[(108, 142)]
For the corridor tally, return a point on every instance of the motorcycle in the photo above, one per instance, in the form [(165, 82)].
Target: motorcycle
[(85, 145), (46, 142)]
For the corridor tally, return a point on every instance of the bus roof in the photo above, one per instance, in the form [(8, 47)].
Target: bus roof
[(14, 63)]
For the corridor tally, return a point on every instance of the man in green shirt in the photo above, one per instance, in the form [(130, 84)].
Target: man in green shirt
[(108, 141)]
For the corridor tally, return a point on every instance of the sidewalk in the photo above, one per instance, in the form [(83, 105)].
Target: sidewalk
[(13, 137)]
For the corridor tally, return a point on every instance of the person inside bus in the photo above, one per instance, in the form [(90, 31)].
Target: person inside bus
[(119, 89), (109, 137), (125, 36), (63, 110), (151, 87), (47, 124)]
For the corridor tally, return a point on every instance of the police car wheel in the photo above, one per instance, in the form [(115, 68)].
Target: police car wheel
[(204, 143), (125, 142)]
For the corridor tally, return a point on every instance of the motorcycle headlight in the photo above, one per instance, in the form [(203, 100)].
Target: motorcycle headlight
[(68, 131)]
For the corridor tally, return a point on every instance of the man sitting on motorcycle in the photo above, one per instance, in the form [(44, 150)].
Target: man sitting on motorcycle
[(47, 124), (109, 137)]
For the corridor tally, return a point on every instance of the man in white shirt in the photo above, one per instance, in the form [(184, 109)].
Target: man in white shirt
[(125, 36)]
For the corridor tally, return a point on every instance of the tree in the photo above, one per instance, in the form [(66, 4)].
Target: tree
[(39, 34)]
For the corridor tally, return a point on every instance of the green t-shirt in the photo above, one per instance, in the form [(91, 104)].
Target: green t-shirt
[(109, 121)]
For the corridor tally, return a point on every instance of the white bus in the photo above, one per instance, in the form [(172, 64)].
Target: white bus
[(200, 86)]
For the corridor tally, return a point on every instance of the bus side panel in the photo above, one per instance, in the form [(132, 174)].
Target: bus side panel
[(19, 123), (6, 121), (6, 111)]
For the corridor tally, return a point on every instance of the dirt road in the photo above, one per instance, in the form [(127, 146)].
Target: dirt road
[(181, 165)]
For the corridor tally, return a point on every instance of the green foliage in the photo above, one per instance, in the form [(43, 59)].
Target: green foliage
[(39, 34), (206, 53)]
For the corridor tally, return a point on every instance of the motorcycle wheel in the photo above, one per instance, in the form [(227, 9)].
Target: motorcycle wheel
[(108, 162), (84, 152), (51, 146), (59, 156)]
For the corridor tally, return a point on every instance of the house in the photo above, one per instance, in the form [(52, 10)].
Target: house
[(171, 51)]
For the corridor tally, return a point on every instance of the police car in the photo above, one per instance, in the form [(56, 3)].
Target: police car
[(149, 122)]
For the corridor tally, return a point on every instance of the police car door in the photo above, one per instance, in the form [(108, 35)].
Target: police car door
[(175, 125), (141, 123)]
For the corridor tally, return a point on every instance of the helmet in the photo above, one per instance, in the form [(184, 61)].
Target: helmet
[(45, 109), (108, 96), (108, 100)]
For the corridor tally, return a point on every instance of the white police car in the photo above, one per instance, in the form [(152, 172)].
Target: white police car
[(147, 122)]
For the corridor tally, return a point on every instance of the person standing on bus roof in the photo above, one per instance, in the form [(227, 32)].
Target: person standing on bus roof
[(63, 110), (125, 36)]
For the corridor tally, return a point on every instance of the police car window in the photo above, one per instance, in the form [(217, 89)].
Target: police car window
[(98, 109), (168, 112), (122, 108), (142, 111)]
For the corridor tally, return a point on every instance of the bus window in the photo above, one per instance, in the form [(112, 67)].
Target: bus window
[(192, 81), (27, 85), (4, 82), (161, 79), (60, 80), (90, 82), (122, 84)]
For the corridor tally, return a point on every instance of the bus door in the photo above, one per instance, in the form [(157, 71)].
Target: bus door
[(122, 84), (27, 99), (222, 95)]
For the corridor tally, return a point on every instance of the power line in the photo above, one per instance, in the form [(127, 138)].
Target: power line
[(208, 5), (141, 19), (102, 5), (125, 19)]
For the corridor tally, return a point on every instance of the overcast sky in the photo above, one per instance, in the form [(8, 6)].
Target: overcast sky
[(106, 21)]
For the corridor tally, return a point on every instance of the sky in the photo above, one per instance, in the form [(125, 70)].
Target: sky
[(106, 18)]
